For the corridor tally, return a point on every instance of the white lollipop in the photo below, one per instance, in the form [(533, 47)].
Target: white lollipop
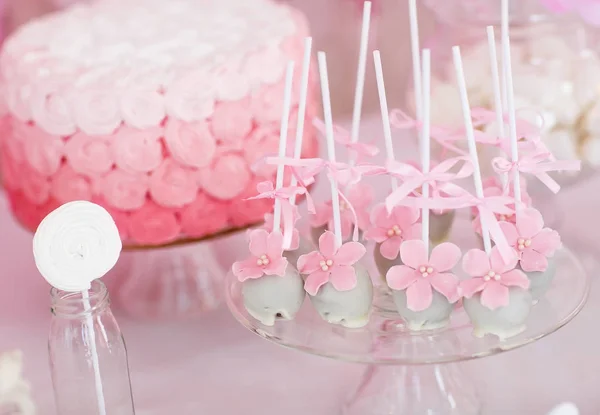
[(76, 244)]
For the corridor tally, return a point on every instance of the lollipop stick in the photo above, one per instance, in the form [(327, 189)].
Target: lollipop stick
[(512, 122), (335, 201), (496, 81), (302, 107), (426, 141), (385, 116), (416, 58), (360, 74), (287, 100), (464, 99), (89, 326), (504, 32)]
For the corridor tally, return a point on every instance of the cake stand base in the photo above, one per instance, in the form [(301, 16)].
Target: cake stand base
[(432, 390), (417, 372), (170, 282)]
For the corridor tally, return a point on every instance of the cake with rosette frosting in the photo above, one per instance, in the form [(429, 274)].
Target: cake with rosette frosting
[(157, 110)]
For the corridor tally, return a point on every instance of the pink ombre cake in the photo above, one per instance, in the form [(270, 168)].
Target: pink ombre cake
[(157, 110)]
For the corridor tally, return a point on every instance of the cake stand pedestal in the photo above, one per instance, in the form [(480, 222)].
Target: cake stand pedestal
[(178, 281), (417, 372)]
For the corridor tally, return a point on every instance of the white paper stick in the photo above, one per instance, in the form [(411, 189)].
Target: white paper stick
[(360, 74), (328, 118), (285, 116), (89, 326), (385, 115), (464, 99), (426, 141), (512, 122), (496, 81), (302, 107), (505, 20), (416, 58)]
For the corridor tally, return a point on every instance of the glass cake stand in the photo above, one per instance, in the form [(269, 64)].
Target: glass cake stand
[(417, 372), (177, 281)]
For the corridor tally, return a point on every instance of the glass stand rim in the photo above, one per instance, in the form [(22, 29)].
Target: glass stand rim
[(386, 341)]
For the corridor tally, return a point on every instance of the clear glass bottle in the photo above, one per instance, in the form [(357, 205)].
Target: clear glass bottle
[(81, 329), (556, 70)]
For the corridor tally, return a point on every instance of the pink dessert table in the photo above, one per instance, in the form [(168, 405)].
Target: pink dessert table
[(211, 365)]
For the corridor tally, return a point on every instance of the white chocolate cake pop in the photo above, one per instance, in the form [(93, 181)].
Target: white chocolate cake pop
[(274, 297), (339, 287), (272, 288), (347, 308)]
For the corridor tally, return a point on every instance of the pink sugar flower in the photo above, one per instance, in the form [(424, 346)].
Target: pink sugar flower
[(390, 230), (492, 277), (360, 197), (266, 259), (268, 226), (331, 264), (422, 273), (533, 243)]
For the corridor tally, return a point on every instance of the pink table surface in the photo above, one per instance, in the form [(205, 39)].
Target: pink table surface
[(211, 365)]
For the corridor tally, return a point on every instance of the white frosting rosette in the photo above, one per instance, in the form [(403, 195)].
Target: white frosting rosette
[(97, 111), (51, 109), (142, 107), (76, 244)]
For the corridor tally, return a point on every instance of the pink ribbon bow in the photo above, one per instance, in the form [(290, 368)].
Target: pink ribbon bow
[(438, 178), (342, 136), (306, 169), (267, 191), (442, 136), (537, 165), (488, 207)]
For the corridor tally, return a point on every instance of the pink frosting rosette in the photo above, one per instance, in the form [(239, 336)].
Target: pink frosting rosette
[(137, 151), (43, 151), (263, 141), (243, 212), (153, 224), (27, 213), (11, 175), (123, 190), (231, 82), (266, 102), (142, 107), (191, 144), (90, 156), (51, 109), (14, 147), (226, 177), (232, 122), (67, 185), (97, 111), (203, 217), (265, 66), (121, 218), (35, 187), (173, 185), (191, 98)]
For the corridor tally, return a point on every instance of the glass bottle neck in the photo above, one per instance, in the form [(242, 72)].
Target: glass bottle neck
[(77, 305)]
